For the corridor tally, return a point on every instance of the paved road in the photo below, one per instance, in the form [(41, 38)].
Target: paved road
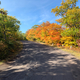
[(40, 62)]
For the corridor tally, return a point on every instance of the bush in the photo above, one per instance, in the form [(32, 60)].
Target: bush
[(8, 48), (78, 42), (67, 41)]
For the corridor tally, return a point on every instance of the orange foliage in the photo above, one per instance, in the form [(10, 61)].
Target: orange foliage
[(46, 32)]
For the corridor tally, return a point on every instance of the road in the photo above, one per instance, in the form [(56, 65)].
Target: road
[(41, 62)]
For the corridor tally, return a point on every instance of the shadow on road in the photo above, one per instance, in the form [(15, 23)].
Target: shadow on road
[(41, 62)]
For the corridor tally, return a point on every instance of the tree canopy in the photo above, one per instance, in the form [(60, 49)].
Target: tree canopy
[(69, 12)]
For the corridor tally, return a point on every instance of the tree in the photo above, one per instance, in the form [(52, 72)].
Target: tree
[(69, 12), (72, 18), (35, 26), (65, 6), (46, 32), (73, 32), (8, 24)]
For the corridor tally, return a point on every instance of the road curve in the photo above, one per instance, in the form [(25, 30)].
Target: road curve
[(41, 62)]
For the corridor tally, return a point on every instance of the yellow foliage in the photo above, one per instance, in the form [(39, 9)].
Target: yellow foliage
[(66, 38), (67, 41)]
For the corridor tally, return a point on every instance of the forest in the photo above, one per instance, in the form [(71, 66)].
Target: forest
[(66, 34), (10, 35), (48, 50)]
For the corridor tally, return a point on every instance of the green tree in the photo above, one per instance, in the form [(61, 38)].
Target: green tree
[(8, 24), (69, 12), (72, 18), (72, 32)]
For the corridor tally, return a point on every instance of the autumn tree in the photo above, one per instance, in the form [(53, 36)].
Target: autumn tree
[(8, 24), (35, 26), (46, 32), (9, 27), (30, 34), (69, 12)]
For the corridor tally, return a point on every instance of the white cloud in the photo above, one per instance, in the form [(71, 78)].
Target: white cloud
[(40, 21)]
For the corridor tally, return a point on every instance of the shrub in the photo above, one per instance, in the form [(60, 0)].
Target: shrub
[(67, 41), (78, 42)]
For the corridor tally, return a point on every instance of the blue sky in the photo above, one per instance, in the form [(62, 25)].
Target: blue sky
[(31, 12)]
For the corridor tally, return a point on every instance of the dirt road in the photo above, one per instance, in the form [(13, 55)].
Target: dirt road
[(40, 62)]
